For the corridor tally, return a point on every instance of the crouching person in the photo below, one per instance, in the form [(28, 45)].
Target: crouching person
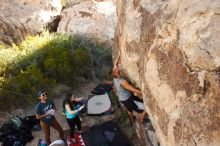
[(45, 112)]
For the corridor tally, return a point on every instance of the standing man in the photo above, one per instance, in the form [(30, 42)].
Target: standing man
[(45, 112), (125, 92)]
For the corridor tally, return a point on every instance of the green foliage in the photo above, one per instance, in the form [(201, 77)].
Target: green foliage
[(123, 117), (2, 47), (23, 87), (57, 64), (101, 58), (114, 99), (82, 62), (102, 55), (131, 132), (41, 61)]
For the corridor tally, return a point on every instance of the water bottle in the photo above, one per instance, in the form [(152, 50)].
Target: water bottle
[(43, 143)]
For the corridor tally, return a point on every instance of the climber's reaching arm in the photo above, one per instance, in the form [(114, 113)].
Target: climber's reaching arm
[(130, 87)]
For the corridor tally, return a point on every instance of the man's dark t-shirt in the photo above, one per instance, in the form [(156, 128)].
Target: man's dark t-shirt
[(43, 108)]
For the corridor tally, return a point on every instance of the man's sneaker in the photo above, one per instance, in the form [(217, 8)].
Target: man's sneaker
[(72, 140)]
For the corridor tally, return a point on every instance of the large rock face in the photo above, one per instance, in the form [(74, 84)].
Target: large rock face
[(93, 19), (171, 51), (19, 18)]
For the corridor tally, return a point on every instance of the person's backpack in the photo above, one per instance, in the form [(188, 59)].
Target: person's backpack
[(15, 133), (12, 125), (102, 89), (16, 122), (31, 122)]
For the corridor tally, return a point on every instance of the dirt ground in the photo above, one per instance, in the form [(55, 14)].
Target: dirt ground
[(88, 121)]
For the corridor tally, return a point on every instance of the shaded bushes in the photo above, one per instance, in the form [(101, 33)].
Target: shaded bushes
[(21, 89), (42, 61)]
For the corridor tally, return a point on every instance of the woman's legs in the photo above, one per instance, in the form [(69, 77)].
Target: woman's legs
[(78, 122), (71, 123)]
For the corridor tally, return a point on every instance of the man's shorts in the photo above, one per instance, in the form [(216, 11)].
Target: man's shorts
[(130, 104)]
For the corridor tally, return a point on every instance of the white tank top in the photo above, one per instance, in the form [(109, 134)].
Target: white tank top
[(122, 93)]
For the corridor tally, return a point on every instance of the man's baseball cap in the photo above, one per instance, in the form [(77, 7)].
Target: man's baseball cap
[(41, 92)]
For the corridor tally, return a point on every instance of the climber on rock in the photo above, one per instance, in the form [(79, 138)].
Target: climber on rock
[(127, 93)]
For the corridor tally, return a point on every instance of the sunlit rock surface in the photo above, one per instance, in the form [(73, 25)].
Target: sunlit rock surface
[(74, 2), (94, 20), (171, 51), (19, 18)]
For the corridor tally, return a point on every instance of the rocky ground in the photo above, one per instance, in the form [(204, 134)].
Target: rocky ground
[(88, 121)]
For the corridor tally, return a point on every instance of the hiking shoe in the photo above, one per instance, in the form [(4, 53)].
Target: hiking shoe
[(72, 140)]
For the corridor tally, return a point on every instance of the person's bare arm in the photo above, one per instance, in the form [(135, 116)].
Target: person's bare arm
[(69, 109), (79, 99), (116, 62), (130, 87), (109, 82), (41, 116)]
